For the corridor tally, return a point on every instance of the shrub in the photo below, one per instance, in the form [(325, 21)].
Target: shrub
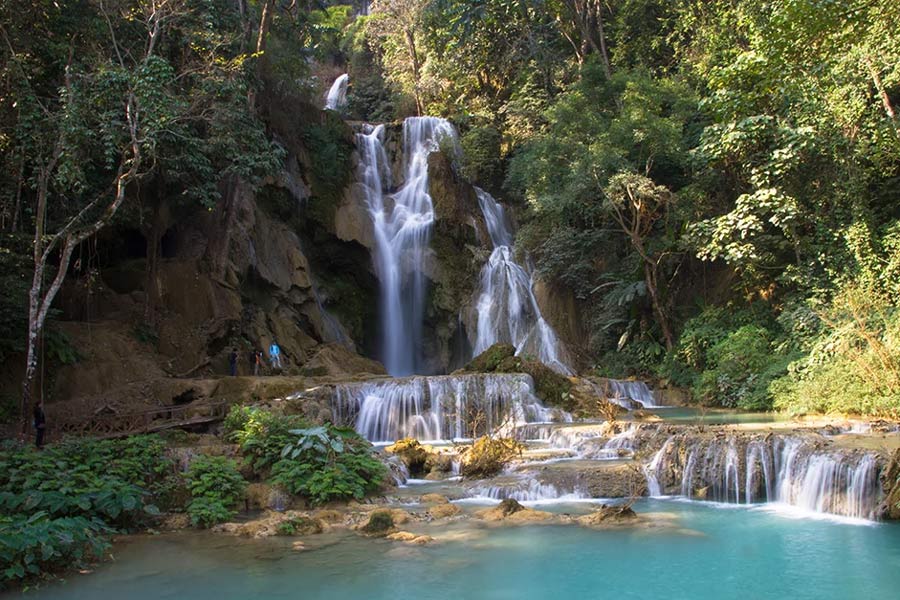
[(261, 434), (487, 456), (58, 505), (35, 544), (215, 485), (328, 463), (738, 370)]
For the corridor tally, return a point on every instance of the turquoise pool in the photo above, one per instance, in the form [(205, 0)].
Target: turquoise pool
[(714, 553)]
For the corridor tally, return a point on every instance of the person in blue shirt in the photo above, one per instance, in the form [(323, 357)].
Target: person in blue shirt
[(275, 355)]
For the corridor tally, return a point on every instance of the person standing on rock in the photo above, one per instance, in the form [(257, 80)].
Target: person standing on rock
[(275, 356), (232, 362), (40, 424), (257, 362)]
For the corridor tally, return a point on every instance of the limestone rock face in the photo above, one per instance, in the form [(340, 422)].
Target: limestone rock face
[(562, 310), (352, 221), (443, 511), (335, 360)]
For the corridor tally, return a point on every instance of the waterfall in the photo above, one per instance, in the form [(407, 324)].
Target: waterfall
[(792, 471), (441, 407), (336, 98), (402, 231), (506, 308)]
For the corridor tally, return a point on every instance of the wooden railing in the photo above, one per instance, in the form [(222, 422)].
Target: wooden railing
[(109, 423)]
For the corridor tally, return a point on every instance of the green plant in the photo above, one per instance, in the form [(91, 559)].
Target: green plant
[(215, 485), (261, 434), (328, 463), (59, 347), (34, 544)]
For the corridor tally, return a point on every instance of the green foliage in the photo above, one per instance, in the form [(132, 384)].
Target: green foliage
[(261, 434), (482, 161), (58, 505), (852, 366), (215, 485), (328, 463), (37, 544)]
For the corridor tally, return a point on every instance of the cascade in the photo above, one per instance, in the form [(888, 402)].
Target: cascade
[(336, 98), (626, 393), (787, 470), (440, 407), (523, 489), (506, 308), (402, 231)]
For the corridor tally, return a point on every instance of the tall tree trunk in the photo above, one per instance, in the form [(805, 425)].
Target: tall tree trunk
[(265, 23), (882, 92), (650, 278), (414, 58)]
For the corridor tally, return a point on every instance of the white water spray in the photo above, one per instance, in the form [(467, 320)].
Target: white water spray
[(336, 98), (507, 310)]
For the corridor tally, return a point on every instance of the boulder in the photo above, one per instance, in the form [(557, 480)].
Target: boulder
[(434, 499), (510, 511), (443, 511), (380, 524), (607, 516), (487, 456), (413, 454)]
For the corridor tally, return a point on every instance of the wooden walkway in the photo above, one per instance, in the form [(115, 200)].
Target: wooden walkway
[(112, 424)]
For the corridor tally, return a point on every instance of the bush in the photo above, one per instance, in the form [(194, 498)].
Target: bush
[(853, 366), (35, 544), (215, 485), (737, 368), (328, 463), (59, 504), (261, 434), (488, 456), (482, 162)]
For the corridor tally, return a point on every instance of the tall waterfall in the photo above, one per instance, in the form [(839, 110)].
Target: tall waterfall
[(336, 98), (776, 469), (507, 310), (402, 231), (440, 407)]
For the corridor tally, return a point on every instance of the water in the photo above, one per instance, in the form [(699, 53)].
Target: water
[(402, 231), (506, 308), (440, 407), (792, 471), (710, 554), (336, 98), (698, 416)]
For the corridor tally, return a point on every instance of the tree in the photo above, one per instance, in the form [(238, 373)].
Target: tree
[(130, 115), (637, 205), (397, 25)]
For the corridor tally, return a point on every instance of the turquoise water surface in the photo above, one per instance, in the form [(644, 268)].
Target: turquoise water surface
[(711, 553)]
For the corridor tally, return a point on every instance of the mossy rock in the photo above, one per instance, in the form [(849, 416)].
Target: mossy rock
[(380, 523), (490, 360), (551, 387), (413, 454), (299, 526)]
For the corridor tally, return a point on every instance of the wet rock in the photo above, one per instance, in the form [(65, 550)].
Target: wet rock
[(443, 511), (413, 454), (274, 523), (335, 360), (606, 516), (402, 536), (329, 516), (174, 522), (380, 524), (434, 499), (510, 511)]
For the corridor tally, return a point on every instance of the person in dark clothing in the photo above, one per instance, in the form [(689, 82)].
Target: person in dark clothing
[(232, 361), (40, 424), (257, 362)]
